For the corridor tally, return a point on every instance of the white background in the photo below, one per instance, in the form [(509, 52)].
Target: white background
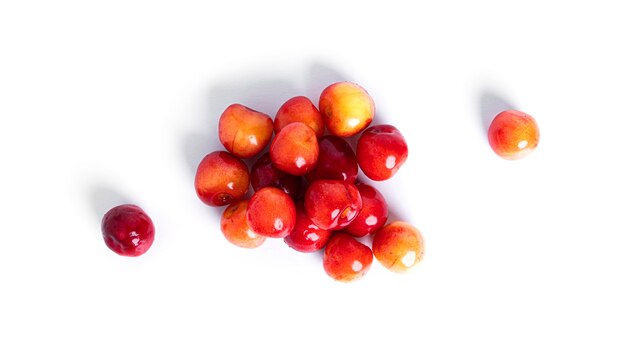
[(103, 102)]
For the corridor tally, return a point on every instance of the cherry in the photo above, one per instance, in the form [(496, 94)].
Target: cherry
[(299, 109), (271, 213), (243, 131), (373, 214), (306, 236), (265, 174), (398, 246), (127, 230), (221, 179), (336, 161), (235, 228), (380, 151), (513, 134), (332, 204), (347, 108), (294, 149), (346, 259)]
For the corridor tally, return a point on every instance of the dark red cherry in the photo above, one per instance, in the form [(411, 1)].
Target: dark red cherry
[(127, 230), (265, 174), (336, 161)]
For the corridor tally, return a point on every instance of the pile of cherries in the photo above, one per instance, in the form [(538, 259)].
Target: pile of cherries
[(305, 188)]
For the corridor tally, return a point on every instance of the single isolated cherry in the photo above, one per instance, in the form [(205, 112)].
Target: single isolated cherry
[(346, 259), (336, 161), (271, 213), (221, 179), (244, 132), (398, 246), (299, 109), (373, 214), (332, 204), (347, 108), (265, 174), (513, 134), (127, 230), (306, 236), (235, 228), (380, 151)]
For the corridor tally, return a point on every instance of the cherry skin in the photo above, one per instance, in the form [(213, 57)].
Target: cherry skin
[(265, 174), (235, 228), (299, 109), (332, 204), (373, 214), (381, 151), (513, 134), (346, 259), (336, 161), (221, 179), (398, 246), (306, 236), (271, 213), (127, 230), (347, 108), (244, 132), (295, 149)]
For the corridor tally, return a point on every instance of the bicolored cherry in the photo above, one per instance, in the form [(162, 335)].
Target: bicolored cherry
[(235, 228), (221, 179), (346, 259), (244, 132), (398, 246), (513, 134), (295, 149), (299, 109), (332, 204), (381, 151), (373, 214), (271, 213), (127, 230), (347, 108)]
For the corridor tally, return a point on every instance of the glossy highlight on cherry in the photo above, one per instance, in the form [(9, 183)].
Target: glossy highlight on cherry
[(305, 188), (332, 204), (127, 230), (271, 213), (346, 259), (513, 134), (221, 179)]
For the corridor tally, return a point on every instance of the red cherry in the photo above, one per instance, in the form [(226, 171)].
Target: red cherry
[(332, 204), (127, 230), (346, 259), (306, 236), (381, 150), (336, 161), (372, 216)]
